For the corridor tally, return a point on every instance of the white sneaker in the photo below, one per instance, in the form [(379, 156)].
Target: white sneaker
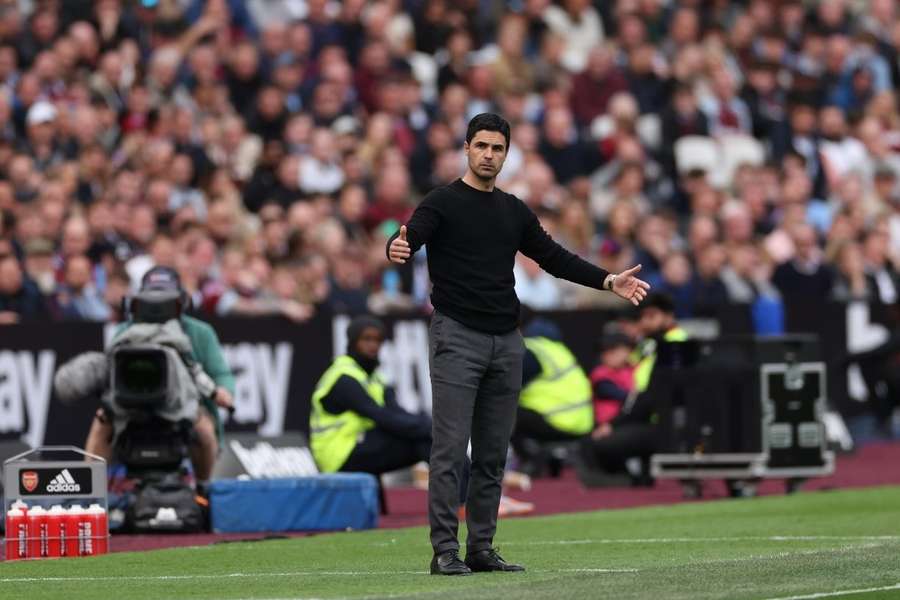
[(511, 507)]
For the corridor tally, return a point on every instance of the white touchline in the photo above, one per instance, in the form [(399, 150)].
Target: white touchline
[(885, 588), (282, 574), (784, 554), (688, 540), (588, 571)]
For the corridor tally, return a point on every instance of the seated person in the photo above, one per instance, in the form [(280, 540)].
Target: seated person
[(632, 433), (613, 377), (555, 401), (207, 351), (356, 424)]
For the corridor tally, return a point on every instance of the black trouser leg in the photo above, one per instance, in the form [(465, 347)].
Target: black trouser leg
[(492, 424), (625, 441), (530, 433), (457, 366), (380, 452)]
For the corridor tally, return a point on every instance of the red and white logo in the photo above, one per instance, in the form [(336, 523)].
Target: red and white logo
[(29, 480)]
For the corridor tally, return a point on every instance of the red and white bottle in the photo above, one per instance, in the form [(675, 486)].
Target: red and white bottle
[(56, 531), (16, 534), (87, 546), (96, 516), (73, 522), (38, 536)]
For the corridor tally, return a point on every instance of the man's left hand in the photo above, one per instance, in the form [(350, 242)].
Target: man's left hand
[(223, 398), (626, 285)]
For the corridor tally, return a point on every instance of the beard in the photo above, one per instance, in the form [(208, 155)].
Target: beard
[(484, 172), (367, 363)]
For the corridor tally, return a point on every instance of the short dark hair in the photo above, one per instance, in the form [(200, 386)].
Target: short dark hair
[(487, 122), (660, 301)]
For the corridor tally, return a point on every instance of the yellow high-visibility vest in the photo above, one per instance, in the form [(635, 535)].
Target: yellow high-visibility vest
[(333, 437), (562, 392), (645, 367)]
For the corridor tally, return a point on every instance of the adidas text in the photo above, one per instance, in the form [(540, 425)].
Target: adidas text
[(63, 483)]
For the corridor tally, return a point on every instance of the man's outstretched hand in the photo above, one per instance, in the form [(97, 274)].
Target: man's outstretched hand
[(626, 285), (399, 250)]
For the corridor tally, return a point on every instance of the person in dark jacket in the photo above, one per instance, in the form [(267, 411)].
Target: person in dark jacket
[(356, 424), (634, 432), (20, 298), (555, 401)]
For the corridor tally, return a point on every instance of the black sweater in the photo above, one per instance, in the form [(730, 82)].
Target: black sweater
[(472, 239)]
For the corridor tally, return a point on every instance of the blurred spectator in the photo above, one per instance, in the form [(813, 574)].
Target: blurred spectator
[(77, 298), (745, 277), (612, 379), (726, 111), (767, 103), (653, 244), (709, 290), (841, 153), (676, 280), (20, 298), (578, 23), (320, 171), (562, 149), (291, 131), (875, 246), (511, 69), (535, 288), (626, 187), (681, 119), (593, 87), (851, 281), (39, 264), (805, 274), (391, 199), (349, 290)]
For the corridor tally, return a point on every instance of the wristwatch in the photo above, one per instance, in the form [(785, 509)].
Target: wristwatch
[(608, 282)]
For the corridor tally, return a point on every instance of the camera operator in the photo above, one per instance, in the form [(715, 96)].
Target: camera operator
[(207, 352)]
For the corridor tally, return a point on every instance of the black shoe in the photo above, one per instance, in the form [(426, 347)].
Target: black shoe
[(449, 563), (489, 560)]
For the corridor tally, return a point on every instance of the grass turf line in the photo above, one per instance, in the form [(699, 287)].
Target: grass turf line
[(760, 549)]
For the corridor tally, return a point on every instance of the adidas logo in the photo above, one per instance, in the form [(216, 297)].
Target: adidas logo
[(63, 483)]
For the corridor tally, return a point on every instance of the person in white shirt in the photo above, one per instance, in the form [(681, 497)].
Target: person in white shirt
[(534, 286), (579, 24)]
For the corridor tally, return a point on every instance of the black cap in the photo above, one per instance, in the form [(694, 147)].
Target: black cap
[(161, 278), (660, 301), (614, 339), (360, 324), (541, 327)]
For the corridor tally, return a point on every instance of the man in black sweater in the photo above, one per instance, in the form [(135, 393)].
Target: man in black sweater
[(473, 231)]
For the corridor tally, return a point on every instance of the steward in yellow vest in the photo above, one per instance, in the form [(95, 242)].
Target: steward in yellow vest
[(555, 402), (355, 422)]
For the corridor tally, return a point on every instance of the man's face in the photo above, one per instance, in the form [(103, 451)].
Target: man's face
[(616, 357), (653, 321), (78, 273), (10, 276), (369, 342), (486, 153)]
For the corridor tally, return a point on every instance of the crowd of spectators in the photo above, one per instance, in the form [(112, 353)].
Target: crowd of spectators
[(266, 149)]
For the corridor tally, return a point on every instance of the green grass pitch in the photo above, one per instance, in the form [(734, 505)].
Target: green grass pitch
[(811, 545)]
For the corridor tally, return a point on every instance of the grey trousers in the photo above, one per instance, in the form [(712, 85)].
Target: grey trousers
[(475, 382)]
